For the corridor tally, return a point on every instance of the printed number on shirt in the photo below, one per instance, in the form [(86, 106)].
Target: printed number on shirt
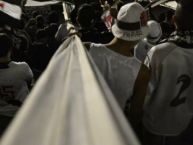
[(6, 93), (185, 80)]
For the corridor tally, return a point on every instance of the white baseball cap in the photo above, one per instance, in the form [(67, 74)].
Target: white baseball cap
[(155, 31), (131, 24)]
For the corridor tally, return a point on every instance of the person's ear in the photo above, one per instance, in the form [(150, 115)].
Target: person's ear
[(77, 20), (174, 21)]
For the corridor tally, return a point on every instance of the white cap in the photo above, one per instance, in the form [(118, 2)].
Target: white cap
[(131, 24), (155, 31)]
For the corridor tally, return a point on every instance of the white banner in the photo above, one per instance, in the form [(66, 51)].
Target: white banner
[(157, 2), (33, 3), (171, 5), (70, 105)]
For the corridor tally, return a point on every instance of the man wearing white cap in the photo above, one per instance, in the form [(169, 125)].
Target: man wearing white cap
[(153, 38), (115, 60)]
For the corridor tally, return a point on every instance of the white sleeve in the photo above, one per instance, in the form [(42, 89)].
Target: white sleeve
[(28, 72)]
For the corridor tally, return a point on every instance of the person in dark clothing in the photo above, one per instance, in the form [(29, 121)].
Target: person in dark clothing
[(85, 19)]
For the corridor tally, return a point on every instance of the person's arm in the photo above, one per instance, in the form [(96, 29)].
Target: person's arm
[(139, 93), (29, 77), (87, 45)]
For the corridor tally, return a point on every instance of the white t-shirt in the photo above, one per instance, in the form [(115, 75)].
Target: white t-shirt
[(13, 86), (168, 106), (119, 71)]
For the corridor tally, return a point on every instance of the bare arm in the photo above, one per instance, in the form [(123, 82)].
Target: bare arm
[(87, 45), (137, 100)]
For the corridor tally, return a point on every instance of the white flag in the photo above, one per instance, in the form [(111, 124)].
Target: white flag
[(11, 9), (30, 3), (171, 5), (70, 105), (157, 2)]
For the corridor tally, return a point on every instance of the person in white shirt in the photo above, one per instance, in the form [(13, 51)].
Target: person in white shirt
[(15, 80), (152, 39), (115, 60), (166, 100)]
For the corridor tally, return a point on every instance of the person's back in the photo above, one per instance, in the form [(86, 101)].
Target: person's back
[(115, 59), (168, 103), (169, 111), (15, 77), (118, 70)]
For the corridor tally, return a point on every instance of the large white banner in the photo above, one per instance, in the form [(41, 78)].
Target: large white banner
[(70, 105)]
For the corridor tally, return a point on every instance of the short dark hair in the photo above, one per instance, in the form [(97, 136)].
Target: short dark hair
[(5, 44), (184, 14), (85, 15)]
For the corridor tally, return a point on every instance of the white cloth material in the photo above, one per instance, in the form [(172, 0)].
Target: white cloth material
[(141, 49), (10, 9), (33, 3), (70, 105), (157, 2), (14, 86), (169, 102), (119, 71), (171, 5)]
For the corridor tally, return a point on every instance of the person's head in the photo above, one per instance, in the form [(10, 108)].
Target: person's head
[(53, 27), (34, 14), (53, 17), (85, 16), (155, 32), (183, 15), (131, 24), (5, 44), (31, 22), (40, 20)]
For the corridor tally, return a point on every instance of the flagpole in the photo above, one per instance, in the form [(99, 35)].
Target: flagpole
[(70, 26)]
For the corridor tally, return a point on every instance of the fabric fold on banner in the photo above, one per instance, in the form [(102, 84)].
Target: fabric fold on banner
[(70, 104)]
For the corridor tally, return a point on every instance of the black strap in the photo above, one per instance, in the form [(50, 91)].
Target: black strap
[(128, 26)]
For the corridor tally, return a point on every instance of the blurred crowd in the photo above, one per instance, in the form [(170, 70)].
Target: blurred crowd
[(119, 36)]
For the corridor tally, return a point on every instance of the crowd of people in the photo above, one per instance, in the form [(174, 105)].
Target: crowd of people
[(146, 62)]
